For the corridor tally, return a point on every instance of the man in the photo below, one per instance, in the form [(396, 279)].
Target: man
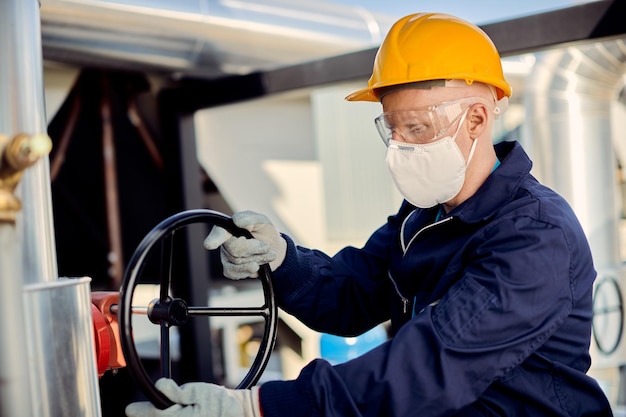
[(485, 274)]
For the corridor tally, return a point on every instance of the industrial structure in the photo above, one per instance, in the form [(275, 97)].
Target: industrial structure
[(150, 108)]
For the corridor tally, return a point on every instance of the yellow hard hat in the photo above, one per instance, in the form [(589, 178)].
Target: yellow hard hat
[(434, 46)]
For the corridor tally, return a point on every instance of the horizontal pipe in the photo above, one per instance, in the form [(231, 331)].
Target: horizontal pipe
[(207, 38)]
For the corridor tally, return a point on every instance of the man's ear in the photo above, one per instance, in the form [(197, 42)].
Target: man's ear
[(478, 116)]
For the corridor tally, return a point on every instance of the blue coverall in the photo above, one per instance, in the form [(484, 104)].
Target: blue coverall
[(490, 308)]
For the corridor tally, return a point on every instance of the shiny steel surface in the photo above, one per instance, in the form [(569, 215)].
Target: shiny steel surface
[(64, 380), (27, 251), (22, 111), (15, 393), (568, 99), (207, 38)]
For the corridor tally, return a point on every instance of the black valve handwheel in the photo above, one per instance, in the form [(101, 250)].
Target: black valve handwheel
[(166, 311)]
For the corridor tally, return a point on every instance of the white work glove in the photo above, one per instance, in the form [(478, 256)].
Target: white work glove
[(241, 257), (200, 399)]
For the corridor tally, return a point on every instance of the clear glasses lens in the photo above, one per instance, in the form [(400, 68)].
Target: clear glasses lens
[(421, 125)]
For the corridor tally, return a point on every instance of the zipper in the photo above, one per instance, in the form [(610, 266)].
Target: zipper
[(405, 301), (404, 247)]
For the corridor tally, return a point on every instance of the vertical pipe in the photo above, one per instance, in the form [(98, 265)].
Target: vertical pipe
[(31, 354), (14, 391), (568, 126), (65, 380), (21, 110)]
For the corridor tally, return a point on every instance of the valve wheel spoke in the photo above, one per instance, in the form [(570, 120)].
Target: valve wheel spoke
[(166, 311)]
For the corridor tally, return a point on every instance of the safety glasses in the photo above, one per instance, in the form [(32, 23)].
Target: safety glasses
[(422, 125)]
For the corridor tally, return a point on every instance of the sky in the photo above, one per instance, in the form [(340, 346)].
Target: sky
[(475, 11)]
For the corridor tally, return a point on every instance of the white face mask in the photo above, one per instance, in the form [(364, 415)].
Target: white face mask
[(428, 174)]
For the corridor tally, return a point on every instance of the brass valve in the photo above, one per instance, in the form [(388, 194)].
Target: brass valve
[(16, 155)]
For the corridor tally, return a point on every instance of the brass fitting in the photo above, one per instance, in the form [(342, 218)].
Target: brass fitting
[(16, 155)]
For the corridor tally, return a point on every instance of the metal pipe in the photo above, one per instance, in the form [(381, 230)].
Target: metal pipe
[(568, 100), (38, 377), (206, 38), (15, 393), (21, 110), (61, 343)]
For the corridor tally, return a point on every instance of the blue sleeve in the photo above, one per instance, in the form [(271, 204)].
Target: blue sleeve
[(346, 294), (513, 294)]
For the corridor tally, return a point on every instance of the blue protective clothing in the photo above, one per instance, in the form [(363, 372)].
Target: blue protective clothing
[(490, 309)]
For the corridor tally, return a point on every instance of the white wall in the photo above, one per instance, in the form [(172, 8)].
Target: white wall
[(308, 159)]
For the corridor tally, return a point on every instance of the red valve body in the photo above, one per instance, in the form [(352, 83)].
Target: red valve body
[(109, 354)]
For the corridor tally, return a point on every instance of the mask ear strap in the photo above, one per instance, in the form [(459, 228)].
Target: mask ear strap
[(472, 149), (475, 140), (458, 128)]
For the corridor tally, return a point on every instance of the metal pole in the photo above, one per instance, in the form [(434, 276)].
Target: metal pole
[(22, 111), (27, 251), (15, 390)]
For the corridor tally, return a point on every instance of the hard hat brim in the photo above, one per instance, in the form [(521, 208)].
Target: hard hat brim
[(364, 94)]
